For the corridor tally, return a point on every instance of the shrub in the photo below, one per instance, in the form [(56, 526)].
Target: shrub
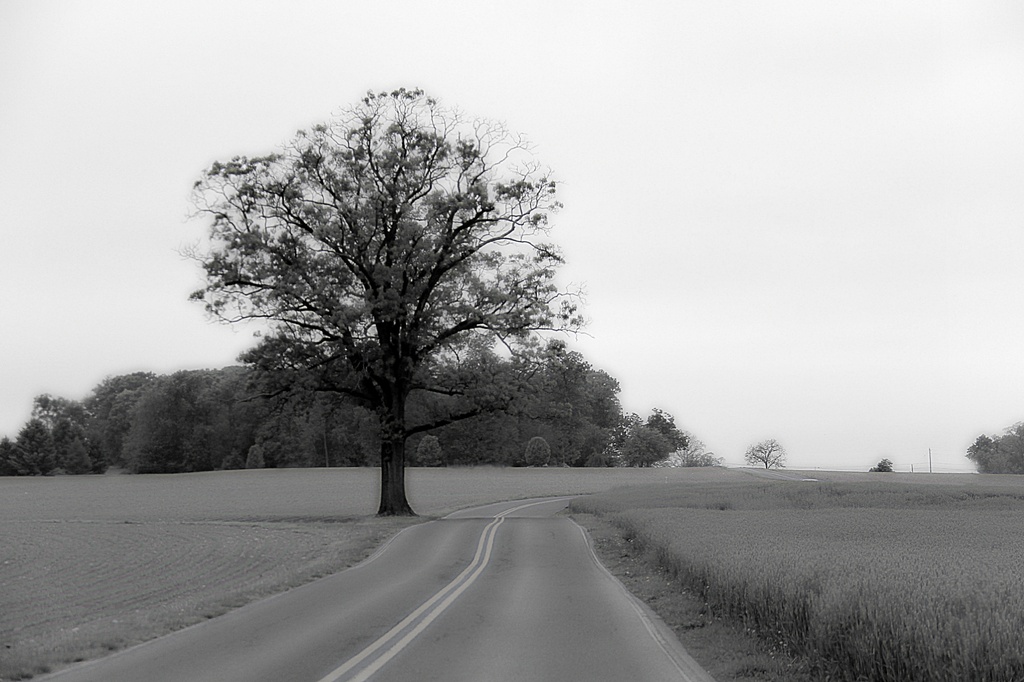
[(538, 452), (428, 452), (254, 458)]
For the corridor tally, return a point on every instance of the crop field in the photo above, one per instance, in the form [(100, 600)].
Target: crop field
[(874, 578), (91, 564)]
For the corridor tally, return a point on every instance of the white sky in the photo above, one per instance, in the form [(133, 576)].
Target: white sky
[(800, 220)]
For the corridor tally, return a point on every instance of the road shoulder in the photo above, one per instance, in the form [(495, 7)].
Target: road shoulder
[(727, 651)]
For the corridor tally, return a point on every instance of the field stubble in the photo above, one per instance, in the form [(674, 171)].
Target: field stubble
[(91, 564)]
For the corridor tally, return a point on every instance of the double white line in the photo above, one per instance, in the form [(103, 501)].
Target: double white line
[(417, 621)]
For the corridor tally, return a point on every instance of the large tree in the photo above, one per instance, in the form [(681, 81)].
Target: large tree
[(387, 251)]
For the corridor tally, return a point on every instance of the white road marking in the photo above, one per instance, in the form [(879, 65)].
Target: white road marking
[(428, 612)]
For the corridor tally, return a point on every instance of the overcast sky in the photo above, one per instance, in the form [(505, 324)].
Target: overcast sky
[(793, 220)]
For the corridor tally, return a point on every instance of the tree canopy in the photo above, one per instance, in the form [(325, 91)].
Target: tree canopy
[(388, 251), (999, 454), (213, 419), (643, 443)]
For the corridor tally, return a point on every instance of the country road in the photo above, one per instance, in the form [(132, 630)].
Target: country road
[(510, 591)]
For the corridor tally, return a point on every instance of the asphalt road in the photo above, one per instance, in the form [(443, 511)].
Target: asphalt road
[(510, 591)]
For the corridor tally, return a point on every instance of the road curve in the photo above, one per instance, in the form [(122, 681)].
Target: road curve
[(508, 591)]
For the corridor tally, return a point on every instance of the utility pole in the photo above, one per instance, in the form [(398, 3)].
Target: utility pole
[(929, 460)]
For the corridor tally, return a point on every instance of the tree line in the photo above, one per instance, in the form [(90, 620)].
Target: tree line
[(567, 414), (999, 453)]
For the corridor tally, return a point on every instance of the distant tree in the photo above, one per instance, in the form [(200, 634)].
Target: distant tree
[(110, 408), (768, 452), (428, 452), (182, 423), (234, 460), (538, 452), (644, 447), (665, 424), (494, 438), (884, 465), (695, 454), (643, 443), (387, 250), (34, 451), (254, 458), (604, 458), (9, 465), (1001, 454), (67, 421), (75, 459), (574, 406)]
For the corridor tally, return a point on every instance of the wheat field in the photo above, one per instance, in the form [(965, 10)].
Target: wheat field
[(877, 580)]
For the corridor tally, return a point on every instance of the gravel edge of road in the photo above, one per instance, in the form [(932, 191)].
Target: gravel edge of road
[(726, 650)]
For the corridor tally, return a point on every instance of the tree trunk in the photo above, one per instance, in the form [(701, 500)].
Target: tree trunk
[(392, 478)]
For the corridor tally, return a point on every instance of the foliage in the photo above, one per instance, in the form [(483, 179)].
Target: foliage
[(231, 418), (8, 457), (33, 453), (428, 452), (664, 423), (768, 453), (999, 454), (66, 420), (538, 452), (884, 465), (254, 458), (387, 251), (496, 438), (200, 420), (693, 454), (178, 424), (644, 447), (573, 406), (110, 407), (639, 443)]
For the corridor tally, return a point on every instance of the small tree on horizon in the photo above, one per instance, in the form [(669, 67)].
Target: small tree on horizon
[(768, 452), (695, 454), (885, 466)]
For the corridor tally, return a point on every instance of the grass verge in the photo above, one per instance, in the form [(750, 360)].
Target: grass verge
[(724, 647), (877, 579)]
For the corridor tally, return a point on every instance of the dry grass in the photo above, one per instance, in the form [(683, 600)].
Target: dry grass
[(90, 564), (881, 579)]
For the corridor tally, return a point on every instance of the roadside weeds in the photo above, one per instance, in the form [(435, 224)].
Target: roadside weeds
[(725, 649)]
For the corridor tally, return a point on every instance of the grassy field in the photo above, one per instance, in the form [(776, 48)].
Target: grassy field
[(91, 564), (875, 577)]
